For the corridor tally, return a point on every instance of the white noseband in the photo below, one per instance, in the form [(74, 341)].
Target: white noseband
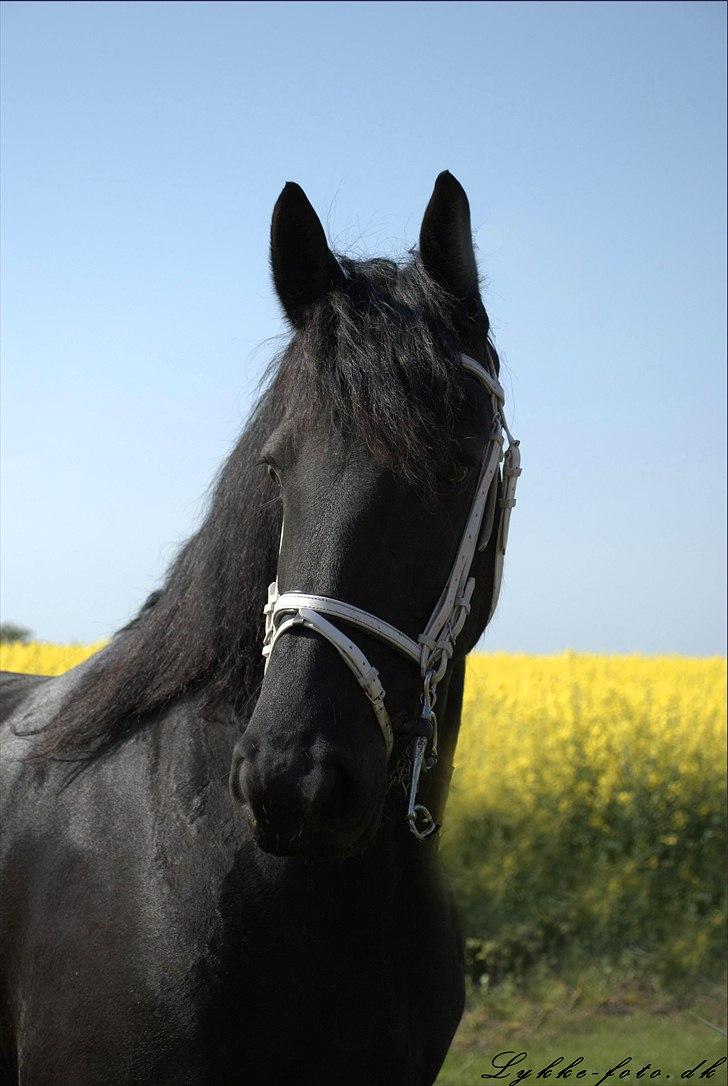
[(434, 648)]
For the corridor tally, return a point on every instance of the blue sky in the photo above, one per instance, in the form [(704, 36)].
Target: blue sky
[(144, 145)]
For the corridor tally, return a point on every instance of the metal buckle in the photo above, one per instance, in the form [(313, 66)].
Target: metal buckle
[(429, 826), (421, 822)]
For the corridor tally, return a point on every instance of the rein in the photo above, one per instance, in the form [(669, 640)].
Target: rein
[(434, 648)]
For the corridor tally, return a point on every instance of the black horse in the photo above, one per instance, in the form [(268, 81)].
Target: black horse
[(167, 920)]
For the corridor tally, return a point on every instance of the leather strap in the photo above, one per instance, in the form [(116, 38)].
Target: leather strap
[(351, 654), (486, 378), (466, 551), (293, 601)]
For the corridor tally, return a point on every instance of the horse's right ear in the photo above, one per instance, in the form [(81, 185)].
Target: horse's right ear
[(304, 268)]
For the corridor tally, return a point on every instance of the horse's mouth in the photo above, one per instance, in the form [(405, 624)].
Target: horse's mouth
[(317, 844)]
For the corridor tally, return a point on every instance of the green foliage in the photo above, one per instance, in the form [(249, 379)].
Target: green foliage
[(10, 632)]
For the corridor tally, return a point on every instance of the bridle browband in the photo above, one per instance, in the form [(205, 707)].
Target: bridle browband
[(434, 648)]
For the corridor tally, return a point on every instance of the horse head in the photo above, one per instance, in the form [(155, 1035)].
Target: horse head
[(382, 454)]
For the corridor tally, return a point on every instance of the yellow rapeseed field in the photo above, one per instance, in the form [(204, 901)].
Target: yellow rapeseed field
[(532, 725), (40, 658), (587, 804)]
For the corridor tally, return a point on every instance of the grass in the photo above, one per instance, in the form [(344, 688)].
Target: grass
[(599, 1016)]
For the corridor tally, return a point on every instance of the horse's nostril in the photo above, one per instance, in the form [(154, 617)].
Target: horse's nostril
[(236, 780), (247, 746), (317, 789)]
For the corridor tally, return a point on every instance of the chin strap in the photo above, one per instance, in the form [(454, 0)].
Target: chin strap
[(434, 648)]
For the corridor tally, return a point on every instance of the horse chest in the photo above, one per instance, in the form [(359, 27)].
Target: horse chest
[(338, 988)]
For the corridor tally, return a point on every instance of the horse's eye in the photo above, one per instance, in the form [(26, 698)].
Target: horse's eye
[(273, 474), (457, 473)]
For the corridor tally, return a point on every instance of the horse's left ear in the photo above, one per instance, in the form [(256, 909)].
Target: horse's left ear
[(446, 241), (304, 268)]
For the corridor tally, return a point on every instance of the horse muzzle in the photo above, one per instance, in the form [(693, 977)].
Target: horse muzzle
[(306, 806)]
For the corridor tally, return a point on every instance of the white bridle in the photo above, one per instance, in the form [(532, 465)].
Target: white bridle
[(434, 648)]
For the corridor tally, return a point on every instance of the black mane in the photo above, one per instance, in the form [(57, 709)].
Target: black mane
[(379, 358)]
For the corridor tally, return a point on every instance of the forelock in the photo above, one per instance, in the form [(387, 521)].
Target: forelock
[(379, 359)]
